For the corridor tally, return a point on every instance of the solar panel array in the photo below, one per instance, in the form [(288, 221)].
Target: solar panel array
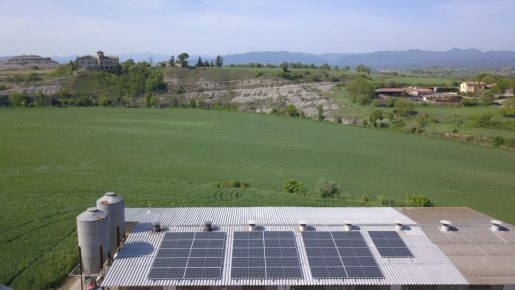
[(189, 255), (265, 255), (339, 255), (389, 244)]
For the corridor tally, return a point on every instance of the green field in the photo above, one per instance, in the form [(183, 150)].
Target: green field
[(54, 163)]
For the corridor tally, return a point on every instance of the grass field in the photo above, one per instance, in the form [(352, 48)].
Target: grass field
[(54, 163)]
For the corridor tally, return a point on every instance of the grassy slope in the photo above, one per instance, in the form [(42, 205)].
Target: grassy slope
[(56, 162)]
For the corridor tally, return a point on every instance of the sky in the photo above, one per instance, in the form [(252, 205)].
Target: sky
[(210, 27)]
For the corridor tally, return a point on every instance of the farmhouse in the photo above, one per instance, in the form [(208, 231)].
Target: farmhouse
[(100, 62), (471, 87), (294, 248)]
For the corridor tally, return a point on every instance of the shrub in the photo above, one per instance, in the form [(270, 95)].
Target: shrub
[(327, 188), (383, 200), (497, 141), (292, 111), (414, 127), (418, 200), (403, 107), (293, 186), (236, 184), (374, 116), (469, 102)]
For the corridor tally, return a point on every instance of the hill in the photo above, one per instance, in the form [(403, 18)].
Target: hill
[(27, 62)]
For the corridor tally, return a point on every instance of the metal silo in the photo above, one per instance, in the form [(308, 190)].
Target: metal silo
[(113, 206), (93, 232)]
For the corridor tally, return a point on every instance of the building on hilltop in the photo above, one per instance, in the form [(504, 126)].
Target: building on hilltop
[(297, 248), (100, 62), (471, 87)]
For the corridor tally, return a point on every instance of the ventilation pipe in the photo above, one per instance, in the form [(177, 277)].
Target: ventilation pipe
[(156, 227), (208, 226), (445, 225), (252, 225), (399, 226), (496, 225), (347, 226), (302, 226)]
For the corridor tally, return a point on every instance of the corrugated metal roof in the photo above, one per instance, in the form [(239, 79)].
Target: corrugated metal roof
[(483, 257), (265, 215), (428, 267)]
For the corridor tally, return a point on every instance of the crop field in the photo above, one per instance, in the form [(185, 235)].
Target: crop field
[(55, 162)]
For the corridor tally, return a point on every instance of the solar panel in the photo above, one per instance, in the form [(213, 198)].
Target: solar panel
[(339, 255), (189, 255), (390, 244), (265, 255)]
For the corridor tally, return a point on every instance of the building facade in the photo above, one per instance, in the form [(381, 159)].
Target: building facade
[(471, 87), (100, 62)]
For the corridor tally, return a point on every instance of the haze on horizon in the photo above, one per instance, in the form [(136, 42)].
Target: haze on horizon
[(61, 27)]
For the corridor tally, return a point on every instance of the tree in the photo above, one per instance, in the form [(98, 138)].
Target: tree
[(39, 100), (183, 59), (403, 107), (212, 64), (501, 86), (155, 82), (374, 116), (18, 99), (320, 111), (361, 87), (363, 68), (508, 109), (219, 62), (171, 62), (325, 66), (284, 66), (206, 63), (292, 111), (199, 62)]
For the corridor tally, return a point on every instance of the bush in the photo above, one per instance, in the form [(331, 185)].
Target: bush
[(469, 102), (383, 200), (414, 127), (293, 186), (497, 141), (418, 200), (236, 184), (374, 116), (403, 107), (292, 111), (508, 109), (327, 188)]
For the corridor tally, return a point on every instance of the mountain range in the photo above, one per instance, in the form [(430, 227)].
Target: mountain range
[(415, 58), (459, 58)]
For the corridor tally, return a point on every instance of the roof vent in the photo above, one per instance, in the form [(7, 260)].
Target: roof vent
[(446, 225), (252, 225), (156, 227), (302, 226), (347, 226), (399, 226), (496, 225), (208, 226)]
